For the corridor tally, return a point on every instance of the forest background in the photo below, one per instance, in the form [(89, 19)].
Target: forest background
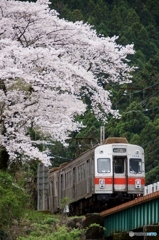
[(138, 103), (134, 22)]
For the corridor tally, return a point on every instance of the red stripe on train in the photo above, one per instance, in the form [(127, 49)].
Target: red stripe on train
[(119, 180)]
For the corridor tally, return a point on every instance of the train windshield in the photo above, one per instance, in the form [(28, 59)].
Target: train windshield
[(103, 165), (135, 166)]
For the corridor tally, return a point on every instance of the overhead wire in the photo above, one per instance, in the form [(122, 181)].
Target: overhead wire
[(144, 110), (151, 152), (144, 101), (142, 89)]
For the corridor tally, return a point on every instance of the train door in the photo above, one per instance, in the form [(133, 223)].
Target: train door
[(120, 174), (62, 185)]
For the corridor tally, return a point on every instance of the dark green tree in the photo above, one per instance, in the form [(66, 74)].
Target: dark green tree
[(90, 7), (115, 23), (131, 18), (150, 141), (100, 13), (77, 15), (132, 121), (153, 7)]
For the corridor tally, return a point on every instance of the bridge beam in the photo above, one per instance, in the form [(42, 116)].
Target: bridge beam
[(132, 215)]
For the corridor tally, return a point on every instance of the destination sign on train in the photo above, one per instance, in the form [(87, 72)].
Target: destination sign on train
[(119, 150)]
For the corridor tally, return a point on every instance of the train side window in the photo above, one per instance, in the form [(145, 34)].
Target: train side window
[(103, 165), (81, 172), (68, 179)]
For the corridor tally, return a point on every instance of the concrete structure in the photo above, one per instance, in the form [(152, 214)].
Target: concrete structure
[(42, 188)]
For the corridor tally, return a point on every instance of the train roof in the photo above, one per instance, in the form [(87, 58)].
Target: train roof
[(53, 169), (115, 140), (109, 140)]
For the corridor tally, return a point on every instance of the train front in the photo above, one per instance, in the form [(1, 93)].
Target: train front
[(119, 171)]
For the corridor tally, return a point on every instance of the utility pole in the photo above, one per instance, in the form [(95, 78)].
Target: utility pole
[(102, 134)]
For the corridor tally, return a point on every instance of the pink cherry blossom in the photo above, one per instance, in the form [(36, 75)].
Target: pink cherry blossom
[(47, 66)]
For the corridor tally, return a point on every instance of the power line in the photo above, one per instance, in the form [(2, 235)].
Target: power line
[(151, 152), (53, 155), (144, 110), (141, 90), (151, 141)]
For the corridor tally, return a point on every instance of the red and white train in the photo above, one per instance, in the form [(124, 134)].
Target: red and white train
[(101, 177)]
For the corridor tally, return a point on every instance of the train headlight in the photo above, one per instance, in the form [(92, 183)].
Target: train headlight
[(137, 183), (101, 183)]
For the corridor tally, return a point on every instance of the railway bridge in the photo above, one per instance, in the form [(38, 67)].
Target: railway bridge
[(136, 215), (139, 217)]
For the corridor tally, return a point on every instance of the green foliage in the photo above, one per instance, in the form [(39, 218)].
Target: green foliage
[(25, 175), (65, 201), (61, 233), (132, 121), (150, 143), (38, 217), (115, 22), (60, 154), (152, 175), (131, 18), (12, 201), (47, 227), (77, 15)]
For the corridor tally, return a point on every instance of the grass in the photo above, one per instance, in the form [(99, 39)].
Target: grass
[(44, 226)]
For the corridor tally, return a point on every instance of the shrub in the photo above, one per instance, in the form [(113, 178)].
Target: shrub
[(13, 201), (61, 233)]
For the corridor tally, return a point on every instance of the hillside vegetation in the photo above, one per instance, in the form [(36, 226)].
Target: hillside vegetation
[(138, 102), (134, 22)]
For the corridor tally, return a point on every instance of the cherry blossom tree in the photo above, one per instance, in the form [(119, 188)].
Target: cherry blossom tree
[(47, 66)]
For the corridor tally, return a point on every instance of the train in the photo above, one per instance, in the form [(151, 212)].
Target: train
[(102, 177)]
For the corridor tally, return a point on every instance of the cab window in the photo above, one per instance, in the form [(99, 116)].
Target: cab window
[(103, 165), (135, 166)]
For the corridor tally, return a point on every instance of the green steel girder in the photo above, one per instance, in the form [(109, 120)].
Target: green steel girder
[(132, 218)]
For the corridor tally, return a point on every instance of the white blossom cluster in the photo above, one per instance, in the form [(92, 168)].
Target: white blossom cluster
[(47, 66)]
